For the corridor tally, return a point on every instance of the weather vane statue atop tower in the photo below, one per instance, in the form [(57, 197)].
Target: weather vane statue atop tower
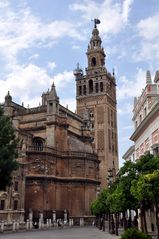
[(96, 21)]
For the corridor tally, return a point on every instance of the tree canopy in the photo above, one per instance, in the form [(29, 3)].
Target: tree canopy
[(8, 150)]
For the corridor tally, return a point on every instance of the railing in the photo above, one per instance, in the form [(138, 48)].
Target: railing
[(72, 154)]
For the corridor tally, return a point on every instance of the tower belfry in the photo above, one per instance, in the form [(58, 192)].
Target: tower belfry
[(96, 91)]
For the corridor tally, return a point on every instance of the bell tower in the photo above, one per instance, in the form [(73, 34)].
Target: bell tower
[(96, 92)]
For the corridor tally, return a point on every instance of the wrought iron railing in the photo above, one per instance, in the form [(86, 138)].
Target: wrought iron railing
[(71, 154)]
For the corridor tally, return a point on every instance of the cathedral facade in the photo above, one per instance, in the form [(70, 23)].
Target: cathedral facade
[(60, 168), (64, 157)]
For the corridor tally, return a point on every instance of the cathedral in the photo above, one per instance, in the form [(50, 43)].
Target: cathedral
[(65, 157)]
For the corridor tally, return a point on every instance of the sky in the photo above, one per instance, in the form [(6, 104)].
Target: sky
[(41, 42)]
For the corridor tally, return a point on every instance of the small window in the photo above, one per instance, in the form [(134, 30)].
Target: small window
[(84, 90), (96, 87), (93, 61), (38, 144), (145, 111), (101, 86), (102, 62), (2, 204), (80, 90), (15, 206), (91, 115), (16, 186), (136, 124), (90, 86), (156, 151)]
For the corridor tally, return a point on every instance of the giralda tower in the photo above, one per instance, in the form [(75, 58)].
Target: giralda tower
[(96, 96)]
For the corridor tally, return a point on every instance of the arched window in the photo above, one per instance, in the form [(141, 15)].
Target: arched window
[(90, 86), (84, 90), (93, 61), (102, 62), (101, 86), (96, 87), (80, 90), (38, 143)]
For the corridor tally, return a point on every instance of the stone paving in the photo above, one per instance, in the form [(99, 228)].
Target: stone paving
[(64, 233)]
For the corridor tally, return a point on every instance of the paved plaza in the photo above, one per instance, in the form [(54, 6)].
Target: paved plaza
[(65, 233)]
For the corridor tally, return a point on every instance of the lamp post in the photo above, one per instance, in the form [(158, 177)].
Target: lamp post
[(110, 179)]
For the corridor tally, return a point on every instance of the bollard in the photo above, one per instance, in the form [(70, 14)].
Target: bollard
[(2, 226), (65, 215), (17, 225), (14, 224), (54, 216), (50, 222), (27, 224), (81, 222), (30, 224), (39, 223), (70, 222), (47, 223)]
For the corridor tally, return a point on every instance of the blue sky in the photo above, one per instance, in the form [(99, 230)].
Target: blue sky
[(41, 41)]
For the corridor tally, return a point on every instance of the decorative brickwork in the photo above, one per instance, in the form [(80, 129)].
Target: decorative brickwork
[(101, 140), (100, 100)]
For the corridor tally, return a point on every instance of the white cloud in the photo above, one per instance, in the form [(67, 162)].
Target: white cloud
[(27, 83), (148, 32), (51, 65), (113, 16), (70, 103), (61, 80), (125, 110), (131, 88), (148, 28), (34, 56), (76, 47), (20, 30), (126, 9)]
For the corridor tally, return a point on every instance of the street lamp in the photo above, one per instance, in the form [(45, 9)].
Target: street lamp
[(110, 179)]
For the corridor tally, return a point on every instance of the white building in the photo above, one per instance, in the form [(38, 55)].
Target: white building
[(146, 118), (130, 154), (146, 129)]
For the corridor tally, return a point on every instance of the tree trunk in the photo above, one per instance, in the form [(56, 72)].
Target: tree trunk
[(112, 226), (124, 221), (109, 222), (116, 224), (104, 222), (143, 219), (157, 217)]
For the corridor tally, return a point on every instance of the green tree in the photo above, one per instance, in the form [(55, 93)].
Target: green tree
[(126, 200), (141, 192), (151, 181), (146, 164), (8, 152), (100, 207)]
